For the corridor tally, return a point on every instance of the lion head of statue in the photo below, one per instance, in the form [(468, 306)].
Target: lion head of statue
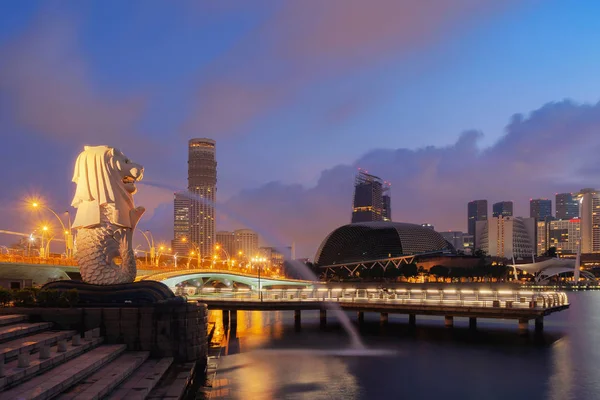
[(105, 177)]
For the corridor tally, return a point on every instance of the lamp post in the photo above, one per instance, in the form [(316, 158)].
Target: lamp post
[(259, 261), (42, 248), (67, 232), (219, 247), (150, 245)]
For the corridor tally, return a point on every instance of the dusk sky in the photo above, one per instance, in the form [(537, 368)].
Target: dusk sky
[(450, 101)]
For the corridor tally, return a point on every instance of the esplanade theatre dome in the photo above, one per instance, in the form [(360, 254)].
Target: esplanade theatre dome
[(378, 240)]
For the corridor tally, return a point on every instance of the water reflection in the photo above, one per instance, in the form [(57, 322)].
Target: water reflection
[(268, 359)]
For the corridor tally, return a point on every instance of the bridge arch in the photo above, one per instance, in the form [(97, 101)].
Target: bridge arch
[(174, 278)]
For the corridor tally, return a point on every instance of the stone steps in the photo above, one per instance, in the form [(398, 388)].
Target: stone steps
[(62, 377), (100, 383), (142, 381), (15, 375), (75, 367), (12, 319), (20, 329), (174, 383), (32, 343)]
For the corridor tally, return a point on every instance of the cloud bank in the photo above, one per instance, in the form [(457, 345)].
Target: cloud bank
[(553, 149)]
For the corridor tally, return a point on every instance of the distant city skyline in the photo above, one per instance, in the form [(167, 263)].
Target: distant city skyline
[(296, 107)]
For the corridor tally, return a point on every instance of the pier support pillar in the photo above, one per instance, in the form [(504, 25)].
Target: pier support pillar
[(225, 317), (361, 317), (449, 321), (297, 319), (523, 326), (383, 319), (539, 324), (233, 316), (412, 319), (472, 323), (323, 318)]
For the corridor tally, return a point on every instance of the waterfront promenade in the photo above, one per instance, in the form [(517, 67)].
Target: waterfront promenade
[(518, 305)]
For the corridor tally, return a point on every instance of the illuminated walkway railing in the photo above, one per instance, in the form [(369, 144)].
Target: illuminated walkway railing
[(434, 297)]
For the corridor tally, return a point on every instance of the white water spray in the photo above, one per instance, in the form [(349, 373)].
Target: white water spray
[(305, 272)]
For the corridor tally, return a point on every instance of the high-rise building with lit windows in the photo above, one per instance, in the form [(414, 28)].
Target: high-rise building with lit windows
[(540, 209), (567, 206), (226, 239), (502, 208), (589, 213), (477, 210), (202, 185), (181, 223), (372, 201)]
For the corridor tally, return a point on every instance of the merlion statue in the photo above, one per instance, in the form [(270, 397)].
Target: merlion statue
[(106, 216)]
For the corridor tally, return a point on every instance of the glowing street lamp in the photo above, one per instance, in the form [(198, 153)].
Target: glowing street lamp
[(69, 245), (150, 246)]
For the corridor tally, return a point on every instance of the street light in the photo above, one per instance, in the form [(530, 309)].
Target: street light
[(259, 260), (67, 231), (219, 247), (150, 246)]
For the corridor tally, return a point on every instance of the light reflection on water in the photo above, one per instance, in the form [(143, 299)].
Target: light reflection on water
[(266, 358)]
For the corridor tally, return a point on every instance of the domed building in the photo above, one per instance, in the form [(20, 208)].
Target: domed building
[(378, 240)]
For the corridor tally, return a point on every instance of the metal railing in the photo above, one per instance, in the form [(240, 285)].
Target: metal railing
[(443, 297), (51, 260)]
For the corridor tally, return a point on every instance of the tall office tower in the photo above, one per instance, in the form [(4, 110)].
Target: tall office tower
[(502, 208), (541, 234), (456, 239), (477, 211), (202, 185), (181, 224), (589, 213), (226, 240), (565, 235), (506, 237), (246, 242), (540, 209), (567, 206), (371, 199), (386, 211)]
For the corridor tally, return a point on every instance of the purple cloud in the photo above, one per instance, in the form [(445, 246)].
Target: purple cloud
[(539, 155)]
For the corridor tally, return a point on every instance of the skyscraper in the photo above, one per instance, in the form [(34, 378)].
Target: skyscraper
[(567, 206), (387, 207), (506, 237), (202, 184), (477, 211), (181, 223), (502, 208), (590, 220), (246, 241), (371, 199), (540, 209)]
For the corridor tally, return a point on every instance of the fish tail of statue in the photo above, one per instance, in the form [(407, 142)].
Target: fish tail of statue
[(104, 254)]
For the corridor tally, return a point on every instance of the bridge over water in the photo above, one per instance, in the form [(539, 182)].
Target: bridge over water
[(241, 291), (519, 305)]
